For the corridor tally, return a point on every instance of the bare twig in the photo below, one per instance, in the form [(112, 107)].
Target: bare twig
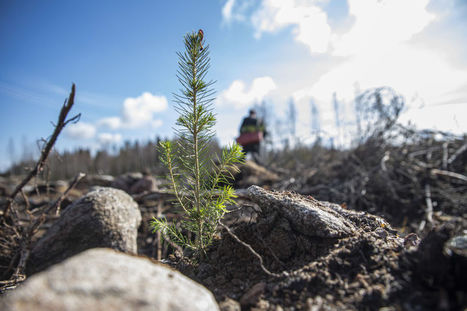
[(449, 174), (62, 122), (158, 234), (171, 243), (27, 233), (258, 236), (414, 154), (59, 201), (429, 204), (457, 153), (429, 153), (53, 206), (26, 200), (21, 236), (248, 246), (384, 160), (445, 155), (19, 275)]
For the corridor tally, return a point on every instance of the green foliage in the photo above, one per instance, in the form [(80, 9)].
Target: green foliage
[(195, 175)]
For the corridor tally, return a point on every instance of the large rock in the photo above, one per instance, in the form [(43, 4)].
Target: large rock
[(146, 184), (314, 218), (135, 183), (105, 217), (125, 181), (309, 217), (253, 174), (103, 279), (94, 180)]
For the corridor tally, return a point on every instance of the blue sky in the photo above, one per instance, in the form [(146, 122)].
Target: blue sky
[(122, 57)]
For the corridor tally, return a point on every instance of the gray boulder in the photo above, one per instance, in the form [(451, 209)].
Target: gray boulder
[(309, 217), (125, 181), (315, 218), (105, 217), (94, 180), (146, 184), (253, 174), (103, 279)]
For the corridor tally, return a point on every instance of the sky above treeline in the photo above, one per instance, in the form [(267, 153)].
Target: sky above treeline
[(122, 57)]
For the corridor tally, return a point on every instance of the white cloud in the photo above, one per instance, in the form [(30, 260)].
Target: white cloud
[(157, 123), (140, 110), (310, 22), (137, 112), (238, 96), (380, 25), (227, 10), (379, 53), (430, 117), (392, 43), (110, 122), (108, 138), (235, 10), (413, 72), (81, 130)]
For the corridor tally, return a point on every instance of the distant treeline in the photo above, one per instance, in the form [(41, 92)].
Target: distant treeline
[(376, 114), (130, 157)]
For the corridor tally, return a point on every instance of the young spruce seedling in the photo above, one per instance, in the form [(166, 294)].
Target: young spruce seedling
[(200, 182)]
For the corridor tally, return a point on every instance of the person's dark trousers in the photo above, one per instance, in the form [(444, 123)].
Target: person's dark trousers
[(253, 149)]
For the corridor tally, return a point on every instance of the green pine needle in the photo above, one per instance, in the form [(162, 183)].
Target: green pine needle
[(195, 177)]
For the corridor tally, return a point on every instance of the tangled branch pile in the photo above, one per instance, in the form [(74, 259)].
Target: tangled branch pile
[(405, 182), (410, 177)]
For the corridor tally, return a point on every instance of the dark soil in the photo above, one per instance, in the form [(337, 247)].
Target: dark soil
[(375, 268)]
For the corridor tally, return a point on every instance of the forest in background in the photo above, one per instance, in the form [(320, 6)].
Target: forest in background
[(375, 111)]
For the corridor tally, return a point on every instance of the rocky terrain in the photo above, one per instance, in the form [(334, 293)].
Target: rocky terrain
[(302, 246)]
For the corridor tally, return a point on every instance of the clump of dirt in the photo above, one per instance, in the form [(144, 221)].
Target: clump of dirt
[(437, 271), (372, 268)]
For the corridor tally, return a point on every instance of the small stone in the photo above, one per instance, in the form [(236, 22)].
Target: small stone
[(456, 245), (411, 240), (251, 297), (229, 304)]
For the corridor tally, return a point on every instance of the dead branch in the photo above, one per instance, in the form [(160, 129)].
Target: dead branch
[(457, 153), (59, 201), (62, 122), (158, 234), (248, 246), (22, 235), (265, 245), (414, 154), (171, 243), (26, 200), (53, 206), (445, 155), (449, 174), (384, 160), (429, 204), (27, 233)]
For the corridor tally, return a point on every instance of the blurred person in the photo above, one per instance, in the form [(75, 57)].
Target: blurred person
[(252, 132)]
